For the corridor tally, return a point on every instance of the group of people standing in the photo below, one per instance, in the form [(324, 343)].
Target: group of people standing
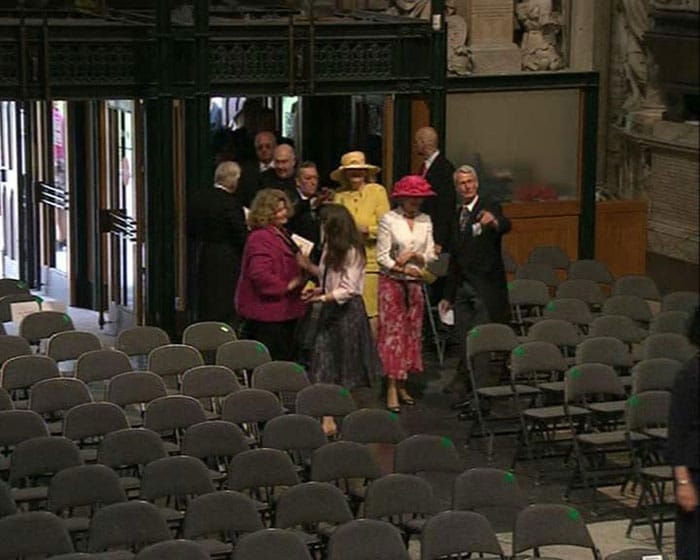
[(357, 298)]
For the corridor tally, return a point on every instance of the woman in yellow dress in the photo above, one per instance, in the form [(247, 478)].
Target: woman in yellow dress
[(367, 201)]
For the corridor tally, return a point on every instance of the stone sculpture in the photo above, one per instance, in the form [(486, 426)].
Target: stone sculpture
[(540, 46)]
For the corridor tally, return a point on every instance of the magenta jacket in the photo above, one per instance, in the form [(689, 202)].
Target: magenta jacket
[(267, 267)]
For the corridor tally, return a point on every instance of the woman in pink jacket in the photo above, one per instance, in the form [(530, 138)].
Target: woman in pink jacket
[(270, 284)]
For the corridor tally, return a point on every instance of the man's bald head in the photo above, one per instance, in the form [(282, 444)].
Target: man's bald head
[(426, 141), (285, 161)]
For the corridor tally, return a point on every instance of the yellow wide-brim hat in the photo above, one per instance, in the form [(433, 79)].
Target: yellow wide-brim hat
[(353, 160)]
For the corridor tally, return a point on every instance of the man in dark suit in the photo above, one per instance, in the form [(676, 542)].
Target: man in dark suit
[(476, 282), (437, 170), (265, 144), (282, 174)]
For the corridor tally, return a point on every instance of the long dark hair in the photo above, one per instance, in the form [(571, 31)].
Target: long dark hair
[(340, 234)]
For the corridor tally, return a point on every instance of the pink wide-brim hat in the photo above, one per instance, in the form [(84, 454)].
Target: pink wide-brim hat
[(412, 186)]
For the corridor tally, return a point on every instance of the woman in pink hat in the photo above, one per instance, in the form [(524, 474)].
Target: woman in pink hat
[(404, 247)]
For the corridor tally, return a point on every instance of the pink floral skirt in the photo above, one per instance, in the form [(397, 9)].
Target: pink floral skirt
[(400, 326)]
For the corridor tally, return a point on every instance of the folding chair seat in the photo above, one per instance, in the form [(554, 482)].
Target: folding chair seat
[(372, 425), (314, 510), (170, 416), (15, 427), (84, 488), (137, 342), (349, 465), (433, 458), (621, 327), (587, 291), (655, 374), (128, 451), (635, 554), (458, 533), (572, 310), (271, 544), (172, 360), (542, 365), (135, 389), (551, 255), (215, 442), (12, 346), (175, 481), (296, 434), (325, 399), (101, 365), (606, 350), (527, 301), (179, 549), (680, 301), (86, 424), (21, 373), (210, 384), (262, 474), (541, 525), (598, 388), (284, 379), (484, 344), (669, 322), (227, 514), (7, 502), (636, 285), (5, 400), (366, 539), (34, 461), (630, 306), (243, 356), (52, 398), (590, 269), (41, 325), (561, 333), (542, 272), (667, 345), (32, 534), (207, 336), (250, 409), (493, 493), (405, 500), (70, 345), (6, 302), (126, 526)]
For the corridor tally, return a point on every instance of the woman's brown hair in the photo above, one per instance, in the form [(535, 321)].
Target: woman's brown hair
[(340, 234), (265, 205)]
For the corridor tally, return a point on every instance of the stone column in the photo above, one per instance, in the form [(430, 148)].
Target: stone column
[(491, 37)]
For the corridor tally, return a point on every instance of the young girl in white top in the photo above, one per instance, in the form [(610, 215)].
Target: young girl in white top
[(404, 247)]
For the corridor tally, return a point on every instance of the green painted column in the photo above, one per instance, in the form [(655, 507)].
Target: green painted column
[(160, 185)]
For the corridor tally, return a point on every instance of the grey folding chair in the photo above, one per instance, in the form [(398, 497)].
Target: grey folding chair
[(271, 544), (633, 307), (41, 325), (70, 345), (6, 302), (668, 345), (87, 423), (207, 336), (636, 285), (587, 291), (551, 255), (405, 500), (349, 465), (590, 269), (128, 526), (179, 549), (366, 539), (211, 384), (229, 515), (137, 342), (315, 510), (527, 301), (243, 356), (680, 301), (297, 434), (251, 409), (101, 365), (31, 534), (458, 533), (173, 360), (606, 350), (573, 310), (15, 427), (372, 425), (655, 374), (13, 286), (135, 389), (324, 399), (52, 398), (559, 332), (669, 322), (170, 416), (621, 327), (11, 346), (542, 272), (284, 379), (215, 442), (541, 525), (493, 493), (5, 400)]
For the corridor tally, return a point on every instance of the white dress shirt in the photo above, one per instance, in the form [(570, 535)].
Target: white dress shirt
[(395, 237), (346, 283)]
